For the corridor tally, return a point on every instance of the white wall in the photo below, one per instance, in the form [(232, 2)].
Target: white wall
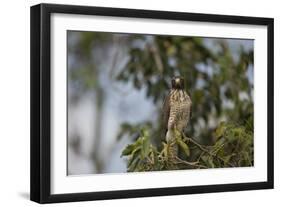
[(14, 101)]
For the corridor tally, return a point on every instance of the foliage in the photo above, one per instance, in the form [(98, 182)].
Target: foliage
[(220, 89), (233, 148)]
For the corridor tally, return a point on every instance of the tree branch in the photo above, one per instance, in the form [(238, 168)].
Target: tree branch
[(205, 150), (192, 164)]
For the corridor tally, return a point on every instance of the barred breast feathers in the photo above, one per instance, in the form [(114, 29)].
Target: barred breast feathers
[(180, 106)]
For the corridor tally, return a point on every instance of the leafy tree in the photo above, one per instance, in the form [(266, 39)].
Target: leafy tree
[(233, 148), (220, 90)]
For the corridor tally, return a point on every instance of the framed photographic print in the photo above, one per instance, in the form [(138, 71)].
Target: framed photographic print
[(132, 103)]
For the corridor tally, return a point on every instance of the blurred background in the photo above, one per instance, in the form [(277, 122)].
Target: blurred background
[(117, 84)]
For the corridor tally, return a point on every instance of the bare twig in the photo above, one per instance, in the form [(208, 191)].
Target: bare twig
[(192, 164), (200, 156), (204, 149)]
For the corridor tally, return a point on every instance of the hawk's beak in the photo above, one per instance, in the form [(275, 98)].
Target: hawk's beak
[(178, 81)]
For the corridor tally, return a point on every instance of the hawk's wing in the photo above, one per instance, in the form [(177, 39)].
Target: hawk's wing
[(166, 113)]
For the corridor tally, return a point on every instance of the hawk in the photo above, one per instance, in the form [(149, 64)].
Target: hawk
[(176, 111)]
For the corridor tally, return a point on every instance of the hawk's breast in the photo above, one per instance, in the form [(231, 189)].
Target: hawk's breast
[(180, 106)]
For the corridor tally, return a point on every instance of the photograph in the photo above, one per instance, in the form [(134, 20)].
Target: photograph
[(154, 102)]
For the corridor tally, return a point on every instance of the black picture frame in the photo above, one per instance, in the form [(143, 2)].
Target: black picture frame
[(41, 98)]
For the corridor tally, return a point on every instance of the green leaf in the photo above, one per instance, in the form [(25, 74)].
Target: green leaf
[(184, 147), (134, 157), (220, 130), (145, 147), (133, 165), (128, 150)]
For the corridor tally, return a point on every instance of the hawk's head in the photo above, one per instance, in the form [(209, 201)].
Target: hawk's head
[(178, 83)]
